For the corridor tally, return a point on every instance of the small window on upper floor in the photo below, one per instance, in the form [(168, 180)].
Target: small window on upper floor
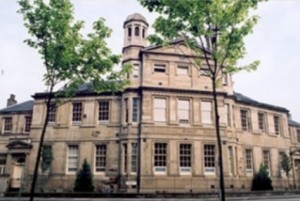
[(52, 115), (245, 119), (129, 32), (277, 125), (27, 124), (182, 70), (262, 122), (298, 135), (77, 113), (8, 125), (160, 68), (143, 33), (103, 113), (136, 31), (136, 70)]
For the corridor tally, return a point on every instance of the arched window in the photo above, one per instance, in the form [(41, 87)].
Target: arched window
[(129, 31), (137, 31), (143, 33)]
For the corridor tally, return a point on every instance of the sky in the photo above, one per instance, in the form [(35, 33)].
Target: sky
[(275, 41)]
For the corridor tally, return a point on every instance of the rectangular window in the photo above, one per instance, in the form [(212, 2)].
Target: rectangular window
[(245, 120), (298, 136), (160, 68), (227, 114), (160, 109), (73, 155), (52, 115), (230, 160), (185, 154), (100, 165), (183, 111), (134, 155), (7, 124), (267, 159), (182, 70), (136, 70), (277, 124), (135, 109), (206, 112), (262, 122), (2, 164), (103, 111), (27, 124), (77, 112), (209, 159), (160, 158), (125, 161), (126, 110), (249, 161)]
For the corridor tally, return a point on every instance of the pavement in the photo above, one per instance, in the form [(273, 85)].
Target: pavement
[(244, 198)]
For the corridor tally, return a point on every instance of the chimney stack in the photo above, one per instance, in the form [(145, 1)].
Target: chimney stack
[(11, 100)]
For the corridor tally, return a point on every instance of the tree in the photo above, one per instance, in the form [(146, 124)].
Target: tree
[(69, 58), (286, 165), (214, 30), (262, 180), (84, 179)]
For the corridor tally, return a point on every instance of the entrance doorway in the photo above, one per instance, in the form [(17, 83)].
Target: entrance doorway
[(17, 170)]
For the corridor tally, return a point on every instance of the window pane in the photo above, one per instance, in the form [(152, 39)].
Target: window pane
[(73, 158), (27, 123), (209, 158), (206, 112), (104, 111), (160, 157), (77, 112), (159, 68), (8, 124), (183, 111), (134, 152), (159, 109), (100, 164), (182, 70), (244, 120), (135, 109)]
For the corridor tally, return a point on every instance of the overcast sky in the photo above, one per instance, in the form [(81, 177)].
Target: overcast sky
[(275, 42)]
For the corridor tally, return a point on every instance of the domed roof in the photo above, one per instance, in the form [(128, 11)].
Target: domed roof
[(136, 17)]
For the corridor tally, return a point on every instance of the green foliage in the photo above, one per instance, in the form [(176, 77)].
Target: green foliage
[(212, 28), (262, 180), (84, 179), (71, 59), (285, 163), (46, 158)]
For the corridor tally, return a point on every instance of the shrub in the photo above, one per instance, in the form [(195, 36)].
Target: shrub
[(84, 179), (262, 180)]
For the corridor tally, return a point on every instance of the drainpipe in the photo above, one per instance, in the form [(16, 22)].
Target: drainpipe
[(120, 144)]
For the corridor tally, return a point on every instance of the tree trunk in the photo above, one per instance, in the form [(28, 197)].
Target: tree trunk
[(220, 156), (38, 157)]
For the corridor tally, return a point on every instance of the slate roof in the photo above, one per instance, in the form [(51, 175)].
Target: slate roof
[(294, 123), (249, 101), (21, 107)]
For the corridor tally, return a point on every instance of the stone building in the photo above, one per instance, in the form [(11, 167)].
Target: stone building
[(158, 134)]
